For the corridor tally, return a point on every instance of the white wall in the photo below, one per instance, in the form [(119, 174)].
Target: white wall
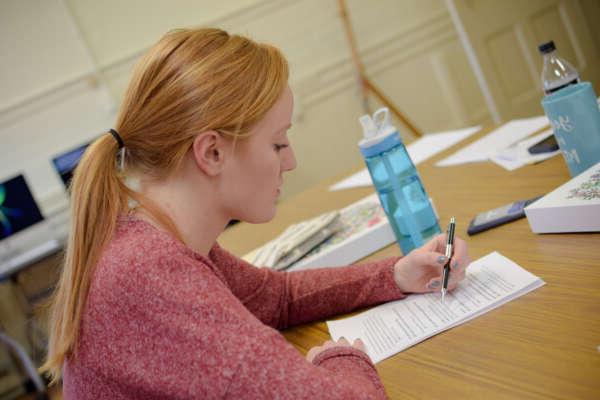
[(66, 63)]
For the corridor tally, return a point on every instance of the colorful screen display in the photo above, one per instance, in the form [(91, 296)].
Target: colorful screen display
[(18, 209)]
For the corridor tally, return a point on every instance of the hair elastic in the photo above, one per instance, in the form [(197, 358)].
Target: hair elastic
[(117, 137)]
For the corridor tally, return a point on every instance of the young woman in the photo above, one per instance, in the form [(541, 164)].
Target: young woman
[(148, 305)]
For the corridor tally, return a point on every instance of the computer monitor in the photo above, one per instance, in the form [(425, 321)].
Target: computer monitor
[(18, 209), (66, 162)]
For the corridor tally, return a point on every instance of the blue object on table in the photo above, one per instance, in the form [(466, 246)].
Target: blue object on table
[(575, 118), (397, 182)]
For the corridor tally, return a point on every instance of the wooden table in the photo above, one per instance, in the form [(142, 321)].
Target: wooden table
[(544, 345)]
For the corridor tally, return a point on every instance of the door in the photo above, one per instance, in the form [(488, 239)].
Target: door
[(504, 36)]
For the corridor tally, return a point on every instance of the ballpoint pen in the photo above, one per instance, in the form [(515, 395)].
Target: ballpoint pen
[(449, 248)]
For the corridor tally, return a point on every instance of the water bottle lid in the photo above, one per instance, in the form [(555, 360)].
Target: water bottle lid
[(369, 127), (384, 143), (547, 47), (379, 133)]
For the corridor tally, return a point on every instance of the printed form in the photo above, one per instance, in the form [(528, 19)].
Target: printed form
[(491, 281)]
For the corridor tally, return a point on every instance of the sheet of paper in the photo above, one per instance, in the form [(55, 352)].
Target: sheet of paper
[(491, 281), (359, 179), (431, 144), (516, 156), (499, 139), (419, 151)]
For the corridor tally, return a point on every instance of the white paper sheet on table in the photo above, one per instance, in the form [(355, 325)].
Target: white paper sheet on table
[(491, 281), (501, 138), (516, 156), (419, 151), (359, 179)]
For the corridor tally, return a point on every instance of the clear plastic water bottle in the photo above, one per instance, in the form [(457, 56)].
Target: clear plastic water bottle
[(397, 182), (556, 72)]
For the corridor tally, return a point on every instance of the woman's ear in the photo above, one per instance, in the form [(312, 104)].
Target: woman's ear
[(209, 151)]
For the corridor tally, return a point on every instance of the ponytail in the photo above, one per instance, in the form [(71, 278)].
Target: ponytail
[(98, 196)]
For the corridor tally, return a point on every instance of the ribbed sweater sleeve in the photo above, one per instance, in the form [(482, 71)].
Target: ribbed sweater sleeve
[(161, 322), (282, 299), (275, 370)]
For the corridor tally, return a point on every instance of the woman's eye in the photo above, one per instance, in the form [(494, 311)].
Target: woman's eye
[(279, 147)]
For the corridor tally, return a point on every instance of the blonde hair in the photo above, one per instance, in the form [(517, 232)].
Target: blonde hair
[(191, 81)]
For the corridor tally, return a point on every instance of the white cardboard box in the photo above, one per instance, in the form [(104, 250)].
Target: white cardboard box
[(572, 207), (366, 230)]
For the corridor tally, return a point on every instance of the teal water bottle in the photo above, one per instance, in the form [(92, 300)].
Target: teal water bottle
[(397, 182)]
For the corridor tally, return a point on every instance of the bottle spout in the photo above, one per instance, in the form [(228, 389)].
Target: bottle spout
[(368, 126), (381, 117)]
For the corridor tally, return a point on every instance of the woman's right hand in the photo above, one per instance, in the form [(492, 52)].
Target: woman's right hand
[(315, 351)]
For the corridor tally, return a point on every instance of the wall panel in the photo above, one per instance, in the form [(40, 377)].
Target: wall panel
[(409, 48), (39, 49)]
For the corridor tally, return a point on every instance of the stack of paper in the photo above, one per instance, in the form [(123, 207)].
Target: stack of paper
[(491, 281), (501, 138), (518, 155)]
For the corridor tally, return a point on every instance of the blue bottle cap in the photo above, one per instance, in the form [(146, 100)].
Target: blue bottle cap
[(379, 133), (390, 140)]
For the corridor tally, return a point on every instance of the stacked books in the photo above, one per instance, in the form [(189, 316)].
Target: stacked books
[(332, 239), (573, 207), (296, 241)]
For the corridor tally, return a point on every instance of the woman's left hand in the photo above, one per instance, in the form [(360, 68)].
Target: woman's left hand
[(421, 270)]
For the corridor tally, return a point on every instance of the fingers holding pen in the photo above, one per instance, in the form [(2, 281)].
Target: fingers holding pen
[(458, 265), (460, 257), (421, 270), (457, 275)]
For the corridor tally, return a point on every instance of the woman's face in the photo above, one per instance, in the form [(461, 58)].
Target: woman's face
[(255, 172)]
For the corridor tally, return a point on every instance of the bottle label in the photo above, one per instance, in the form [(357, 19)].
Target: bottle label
[(550, 91)]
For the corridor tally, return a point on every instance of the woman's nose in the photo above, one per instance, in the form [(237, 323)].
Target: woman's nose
[(288, 161)]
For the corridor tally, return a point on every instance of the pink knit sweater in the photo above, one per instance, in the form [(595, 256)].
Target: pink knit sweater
[(164, 322)]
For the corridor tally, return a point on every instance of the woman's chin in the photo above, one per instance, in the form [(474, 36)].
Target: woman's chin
[(260, 217)]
